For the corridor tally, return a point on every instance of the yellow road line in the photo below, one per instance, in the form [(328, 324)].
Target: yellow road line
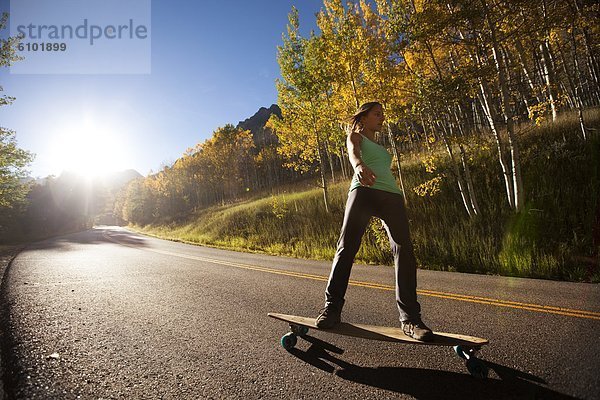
[(372, 285)]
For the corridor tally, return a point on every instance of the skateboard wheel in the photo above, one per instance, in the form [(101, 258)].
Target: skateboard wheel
[(477, 368), (460, 351), (299, 329), (289, 340)]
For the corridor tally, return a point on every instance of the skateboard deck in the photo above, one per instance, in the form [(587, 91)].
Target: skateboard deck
[(466, 347), (384, 333)]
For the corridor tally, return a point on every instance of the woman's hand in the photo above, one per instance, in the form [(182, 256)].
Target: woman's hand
[(366, 177)]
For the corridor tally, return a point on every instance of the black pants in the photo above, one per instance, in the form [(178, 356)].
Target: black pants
[(362, 204)]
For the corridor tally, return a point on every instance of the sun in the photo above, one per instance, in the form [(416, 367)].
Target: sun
[(89, 149)]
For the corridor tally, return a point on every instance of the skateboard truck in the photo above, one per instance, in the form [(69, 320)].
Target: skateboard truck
[(289, 340)]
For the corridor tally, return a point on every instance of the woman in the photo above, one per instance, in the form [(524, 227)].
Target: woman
[(373, 192)]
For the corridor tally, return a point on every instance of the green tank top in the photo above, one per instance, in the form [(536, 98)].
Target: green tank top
[(379, 160)]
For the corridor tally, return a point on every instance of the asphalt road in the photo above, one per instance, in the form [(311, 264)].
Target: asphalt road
[(107, 313)]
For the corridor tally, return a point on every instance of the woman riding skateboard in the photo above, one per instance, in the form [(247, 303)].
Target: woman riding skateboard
[(373, 192)]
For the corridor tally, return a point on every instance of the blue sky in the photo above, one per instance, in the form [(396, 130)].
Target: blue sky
[(212, 63)]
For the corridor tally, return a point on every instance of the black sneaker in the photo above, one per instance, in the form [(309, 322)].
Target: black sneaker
[(417, 330), (329, 316)]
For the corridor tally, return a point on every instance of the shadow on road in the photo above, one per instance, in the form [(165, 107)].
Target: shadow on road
[(126, 238), (428, 383), (93, 236), (323, 345)]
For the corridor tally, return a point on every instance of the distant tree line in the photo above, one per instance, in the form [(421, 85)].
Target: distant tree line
[(227, 166), (57, 205)]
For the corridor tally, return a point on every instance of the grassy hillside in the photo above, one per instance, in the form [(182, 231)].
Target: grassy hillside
[(551, 238)]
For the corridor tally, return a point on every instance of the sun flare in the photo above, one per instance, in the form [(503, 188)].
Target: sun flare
[(88, 149)]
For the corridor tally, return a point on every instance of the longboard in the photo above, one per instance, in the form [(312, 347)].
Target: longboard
[(464, 346)]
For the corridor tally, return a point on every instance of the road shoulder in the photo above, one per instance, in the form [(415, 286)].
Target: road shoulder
[(7, 254)]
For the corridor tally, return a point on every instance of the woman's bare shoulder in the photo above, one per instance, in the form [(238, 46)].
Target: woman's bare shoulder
[(355, 138)]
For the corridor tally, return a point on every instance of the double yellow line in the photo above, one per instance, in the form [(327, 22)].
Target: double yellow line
[(569, 312)]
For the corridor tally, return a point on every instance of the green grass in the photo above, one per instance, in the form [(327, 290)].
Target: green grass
[(548, 239)]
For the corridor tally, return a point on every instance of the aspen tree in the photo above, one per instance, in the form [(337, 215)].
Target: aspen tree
[(300, 130)]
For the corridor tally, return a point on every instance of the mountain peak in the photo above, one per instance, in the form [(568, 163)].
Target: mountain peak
[(260, 118), (256, 125)]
